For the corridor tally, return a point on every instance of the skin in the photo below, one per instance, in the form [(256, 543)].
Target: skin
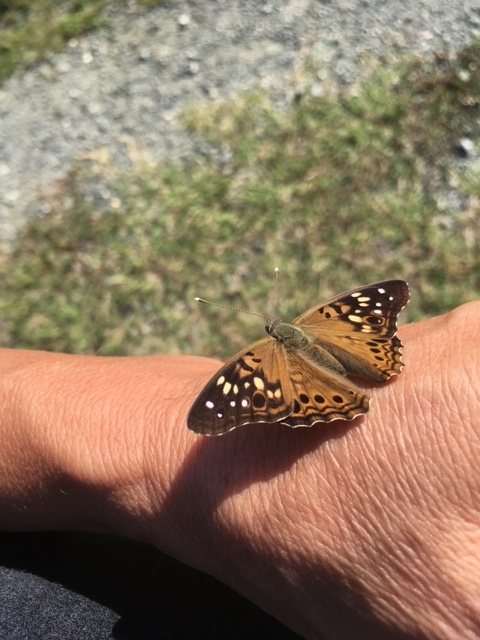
[(362, 529)]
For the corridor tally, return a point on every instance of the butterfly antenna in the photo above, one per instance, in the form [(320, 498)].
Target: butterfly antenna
[(224, 306), (273, 302)]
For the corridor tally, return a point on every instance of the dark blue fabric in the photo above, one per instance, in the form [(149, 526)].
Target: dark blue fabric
[(70, 586)]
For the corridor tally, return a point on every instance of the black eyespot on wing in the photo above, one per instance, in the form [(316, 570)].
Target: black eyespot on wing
[(258, 400)]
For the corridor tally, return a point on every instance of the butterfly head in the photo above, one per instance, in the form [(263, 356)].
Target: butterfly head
[(271, 326)]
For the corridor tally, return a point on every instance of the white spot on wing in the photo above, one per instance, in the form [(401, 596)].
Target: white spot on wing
[(258, 382), (244, 402), (381, 290), (226, 388), (209, 404)]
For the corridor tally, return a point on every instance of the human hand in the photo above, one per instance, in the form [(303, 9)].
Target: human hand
[(362, 529)]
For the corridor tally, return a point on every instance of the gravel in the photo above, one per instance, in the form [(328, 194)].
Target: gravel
[(120, 90)]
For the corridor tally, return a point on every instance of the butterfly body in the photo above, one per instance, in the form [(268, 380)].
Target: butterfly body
[(294, 338), (297, 374)]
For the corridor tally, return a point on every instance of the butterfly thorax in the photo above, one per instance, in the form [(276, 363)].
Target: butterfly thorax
[(297, 339), (287, 333)]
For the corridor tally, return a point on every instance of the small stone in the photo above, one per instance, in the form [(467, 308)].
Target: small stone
[(464, 75), (316, 90), (12, 196), (63, 67), (47, 72), (184, 19), (465, 147), (94, 108)]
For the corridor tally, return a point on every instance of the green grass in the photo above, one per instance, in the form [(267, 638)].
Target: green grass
[(30, 30), (336, 191)]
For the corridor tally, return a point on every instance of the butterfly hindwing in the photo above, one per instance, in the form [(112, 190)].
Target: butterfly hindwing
[(321, 395), (249, 388)]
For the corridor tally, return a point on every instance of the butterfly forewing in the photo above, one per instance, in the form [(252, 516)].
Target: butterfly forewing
[(251, 387), (358, 328)]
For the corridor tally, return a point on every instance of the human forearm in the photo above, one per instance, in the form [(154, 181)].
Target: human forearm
[(78, 435)]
